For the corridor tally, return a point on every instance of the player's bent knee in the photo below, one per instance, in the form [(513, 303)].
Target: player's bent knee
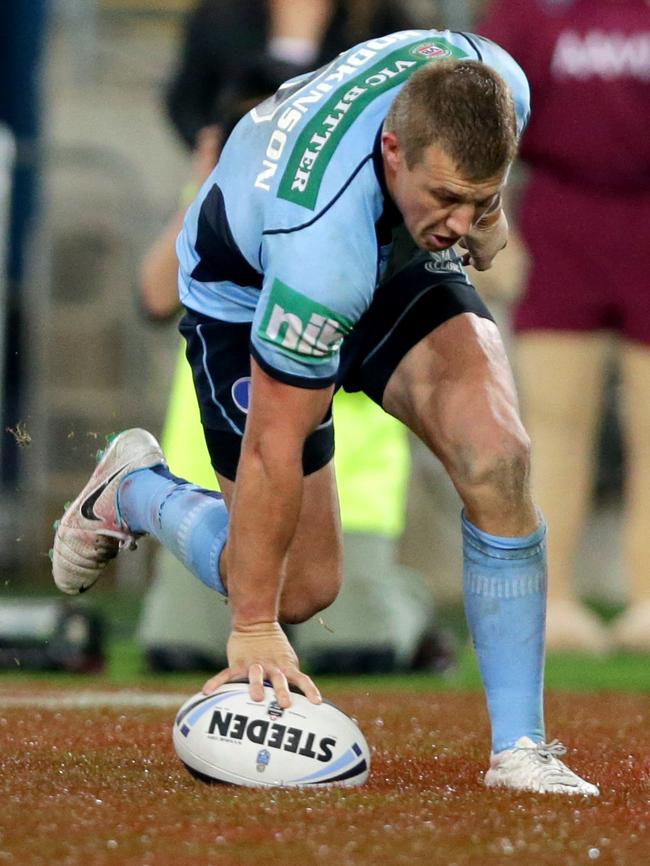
[(496, 464), (300, 603)]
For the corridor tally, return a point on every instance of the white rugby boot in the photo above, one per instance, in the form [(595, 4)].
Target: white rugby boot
[(90, 533), (533, 766)]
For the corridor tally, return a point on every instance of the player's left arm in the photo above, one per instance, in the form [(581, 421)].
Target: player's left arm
[(488, 236)]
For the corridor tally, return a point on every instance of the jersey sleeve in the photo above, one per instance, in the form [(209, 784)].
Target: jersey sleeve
[(318, 281)]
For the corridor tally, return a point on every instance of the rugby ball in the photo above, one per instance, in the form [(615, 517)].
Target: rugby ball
[(228, 737)]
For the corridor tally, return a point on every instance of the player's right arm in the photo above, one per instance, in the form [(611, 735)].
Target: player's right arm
[(319, 276), (264, 515)]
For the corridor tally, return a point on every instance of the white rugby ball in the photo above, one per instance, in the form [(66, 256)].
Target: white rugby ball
[(228, 737)]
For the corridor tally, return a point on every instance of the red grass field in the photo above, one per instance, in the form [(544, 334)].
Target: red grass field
[(102, 785)]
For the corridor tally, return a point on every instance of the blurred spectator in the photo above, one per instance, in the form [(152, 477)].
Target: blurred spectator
[(238, 50), (398, 630), (22, 30), (584, 217)]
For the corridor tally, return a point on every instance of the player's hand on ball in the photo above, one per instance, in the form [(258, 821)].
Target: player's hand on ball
[(487, 237), (258, 652)]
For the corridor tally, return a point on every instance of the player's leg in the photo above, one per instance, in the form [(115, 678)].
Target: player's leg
[(192, 522), (132, 493), (182, 626), (560, 375), (91, 531), (455, 390), (632, 630), (453, 387)]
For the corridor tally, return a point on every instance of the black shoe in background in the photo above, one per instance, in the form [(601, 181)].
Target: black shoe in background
[(435, 653)]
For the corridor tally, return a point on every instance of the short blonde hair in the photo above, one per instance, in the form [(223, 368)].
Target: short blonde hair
[(464, 107)]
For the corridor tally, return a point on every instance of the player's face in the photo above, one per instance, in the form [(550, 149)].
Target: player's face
[(438, 204)]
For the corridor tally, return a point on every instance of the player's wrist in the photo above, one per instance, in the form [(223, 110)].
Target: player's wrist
[(256, 627), (249, 610)]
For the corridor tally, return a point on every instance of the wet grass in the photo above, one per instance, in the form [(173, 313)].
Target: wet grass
[(103, 786)]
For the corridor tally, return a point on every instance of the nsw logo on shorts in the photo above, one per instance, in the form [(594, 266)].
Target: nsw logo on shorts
[(241, 393)]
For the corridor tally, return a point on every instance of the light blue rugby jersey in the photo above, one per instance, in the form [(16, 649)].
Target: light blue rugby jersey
[(290, 231)]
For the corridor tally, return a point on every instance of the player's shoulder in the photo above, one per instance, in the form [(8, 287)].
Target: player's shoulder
[(310, 146), (318, 131)]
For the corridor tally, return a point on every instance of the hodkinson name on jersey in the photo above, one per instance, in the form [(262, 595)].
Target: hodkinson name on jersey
[(323, 85), (290, 230)]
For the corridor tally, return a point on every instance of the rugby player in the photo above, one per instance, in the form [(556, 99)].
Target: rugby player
[(320, 253)]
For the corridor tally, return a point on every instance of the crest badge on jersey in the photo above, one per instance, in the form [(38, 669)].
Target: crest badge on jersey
[(432, 50)]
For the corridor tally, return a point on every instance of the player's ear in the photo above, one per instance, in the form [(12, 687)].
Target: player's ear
[(391, 150)]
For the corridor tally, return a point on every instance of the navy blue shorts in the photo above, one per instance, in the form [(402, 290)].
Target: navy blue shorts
[(409, 305)]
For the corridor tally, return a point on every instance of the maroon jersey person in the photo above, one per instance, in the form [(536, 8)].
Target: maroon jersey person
[(585, 218)]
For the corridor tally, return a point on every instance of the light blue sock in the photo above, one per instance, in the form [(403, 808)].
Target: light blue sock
[(505, 605), (192, 523)]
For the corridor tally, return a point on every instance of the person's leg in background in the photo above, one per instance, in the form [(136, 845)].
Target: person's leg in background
[(560, 376), (562, 338), (631, 631)]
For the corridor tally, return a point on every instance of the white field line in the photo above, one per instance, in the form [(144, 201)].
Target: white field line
[(154, 700)]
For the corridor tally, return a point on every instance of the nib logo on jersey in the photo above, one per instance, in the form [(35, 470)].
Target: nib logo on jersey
[(301, 328)]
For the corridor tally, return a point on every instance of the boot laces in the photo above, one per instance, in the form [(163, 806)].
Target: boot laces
[(548, 751)]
